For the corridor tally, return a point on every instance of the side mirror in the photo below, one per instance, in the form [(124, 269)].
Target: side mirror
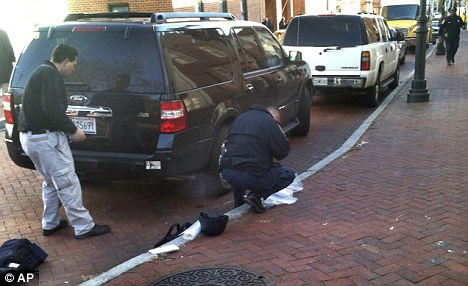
[(295, 56), (400, 36), (396, 35)]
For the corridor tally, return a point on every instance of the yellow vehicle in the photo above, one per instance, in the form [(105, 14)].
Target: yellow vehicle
[(462, 13), (403, 15)]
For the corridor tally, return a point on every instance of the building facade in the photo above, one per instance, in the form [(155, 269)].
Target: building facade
[(255, 10)]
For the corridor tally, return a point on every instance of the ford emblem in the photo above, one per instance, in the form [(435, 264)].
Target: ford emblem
[(78, 99)]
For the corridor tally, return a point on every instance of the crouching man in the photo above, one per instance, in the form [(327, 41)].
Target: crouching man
[(255, 139)]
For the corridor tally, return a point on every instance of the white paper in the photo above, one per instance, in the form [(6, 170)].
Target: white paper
[(192, 232), (286, 195), (164, 249)]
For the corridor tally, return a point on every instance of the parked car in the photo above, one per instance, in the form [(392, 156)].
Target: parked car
[(156, 93), (347, 52), (402, 45), (435, 28)]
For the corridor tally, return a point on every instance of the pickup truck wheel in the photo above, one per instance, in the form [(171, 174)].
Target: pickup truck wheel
[(396, 78), (303, 115), (373, 94)]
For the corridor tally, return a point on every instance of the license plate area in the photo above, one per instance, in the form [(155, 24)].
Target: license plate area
[(320, 81), (87, 124)]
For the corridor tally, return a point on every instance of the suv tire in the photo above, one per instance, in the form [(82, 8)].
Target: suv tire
[(396, 78), (303, 115), (211, 181), (373, 93)]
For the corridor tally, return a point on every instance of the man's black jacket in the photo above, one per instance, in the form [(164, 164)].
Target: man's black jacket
[(45, 102), (254, 140), (451, 26)]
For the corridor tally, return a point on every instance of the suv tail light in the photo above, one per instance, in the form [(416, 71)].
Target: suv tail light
[(7, 108), (365, 61), (173, 116)]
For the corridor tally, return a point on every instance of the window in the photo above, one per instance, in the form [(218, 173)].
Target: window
[(118, 8), (372, 30), (101, 68), (198, 58), (273, 51), (250, 51), (324, 31)]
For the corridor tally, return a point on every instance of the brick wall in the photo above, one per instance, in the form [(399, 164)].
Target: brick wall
[(299, 7), (75, 6), (255, 8)]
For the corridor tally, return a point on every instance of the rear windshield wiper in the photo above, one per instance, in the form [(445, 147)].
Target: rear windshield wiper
[(332, 49), (77, 86), (338, 48)]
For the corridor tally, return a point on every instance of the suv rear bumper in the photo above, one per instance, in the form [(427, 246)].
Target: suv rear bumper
[(109, 165)]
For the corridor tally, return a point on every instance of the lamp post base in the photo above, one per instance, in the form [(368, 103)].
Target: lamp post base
[(418, 92)]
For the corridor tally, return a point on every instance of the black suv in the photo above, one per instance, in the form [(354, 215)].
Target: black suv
[(156, 92)]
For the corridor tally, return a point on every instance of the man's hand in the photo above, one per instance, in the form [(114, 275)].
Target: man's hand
[(78, 136)]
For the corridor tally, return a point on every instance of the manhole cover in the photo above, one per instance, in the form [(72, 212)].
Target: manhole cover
[(213, 276)]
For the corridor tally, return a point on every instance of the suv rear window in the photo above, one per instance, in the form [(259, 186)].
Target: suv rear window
[(100, 68), (324, 31)]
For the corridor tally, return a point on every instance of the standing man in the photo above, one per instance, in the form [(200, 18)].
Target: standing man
[(255, 138), (268, 24), (45, 131), (451, 26), (7, 58)]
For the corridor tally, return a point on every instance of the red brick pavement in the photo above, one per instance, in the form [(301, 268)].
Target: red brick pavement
[(393, 211)]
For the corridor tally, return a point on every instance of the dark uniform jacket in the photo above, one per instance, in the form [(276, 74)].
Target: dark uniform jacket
[(254, 140), (45, 102), (451, 26)]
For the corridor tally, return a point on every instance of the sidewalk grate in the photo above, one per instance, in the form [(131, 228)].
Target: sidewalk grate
[(213, 276)]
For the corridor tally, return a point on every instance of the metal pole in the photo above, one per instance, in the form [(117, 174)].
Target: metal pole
[(418, 91), (245, 13), (223, 6), (201, 7)]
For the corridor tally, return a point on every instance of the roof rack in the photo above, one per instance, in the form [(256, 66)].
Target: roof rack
[(121, 15), (158, 18)]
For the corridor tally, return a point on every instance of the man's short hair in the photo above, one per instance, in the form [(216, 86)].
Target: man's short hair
[(62, 52), (276, 113)]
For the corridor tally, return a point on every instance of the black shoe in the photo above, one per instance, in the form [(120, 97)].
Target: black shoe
[(98, 229), (62, 224), (255, 203), (453, 61)]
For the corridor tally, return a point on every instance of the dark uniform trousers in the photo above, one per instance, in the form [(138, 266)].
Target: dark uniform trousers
[(277, 178)]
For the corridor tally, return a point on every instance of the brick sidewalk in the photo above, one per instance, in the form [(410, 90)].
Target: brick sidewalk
[(392, 211)]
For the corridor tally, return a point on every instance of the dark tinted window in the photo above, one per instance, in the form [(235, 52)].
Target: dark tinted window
[(323, 31), (372, 30), (250, 50), (198, 58), (385, 30), (273, 51), (106, 61)]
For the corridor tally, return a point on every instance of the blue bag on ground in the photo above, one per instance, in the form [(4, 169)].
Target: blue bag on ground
[(21, 254)]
